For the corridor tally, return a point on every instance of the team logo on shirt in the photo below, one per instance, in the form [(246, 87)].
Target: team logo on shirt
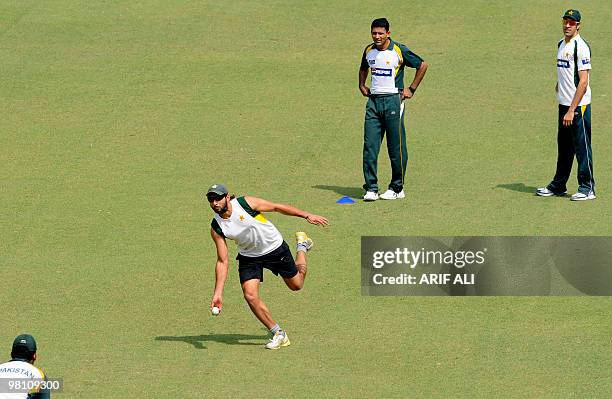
[(372, 62), (381, 72), (241, 217), (563, 63), (586, 61)]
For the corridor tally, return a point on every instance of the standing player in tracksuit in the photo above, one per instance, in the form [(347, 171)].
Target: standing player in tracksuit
[(386, 59), (574, 126)]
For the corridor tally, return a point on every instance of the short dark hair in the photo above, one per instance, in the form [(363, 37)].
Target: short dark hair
[(380, 23)]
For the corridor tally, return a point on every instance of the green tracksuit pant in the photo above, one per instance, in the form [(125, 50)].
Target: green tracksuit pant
[(382, 117)]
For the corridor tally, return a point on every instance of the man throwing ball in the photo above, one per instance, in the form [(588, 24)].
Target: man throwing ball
[(260, 245)]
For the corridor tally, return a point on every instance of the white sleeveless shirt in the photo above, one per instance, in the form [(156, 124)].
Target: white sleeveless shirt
[(253, 233)]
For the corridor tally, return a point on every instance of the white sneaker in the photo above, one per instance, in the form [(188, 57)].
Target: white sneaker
[(545, 192), (391, 195), (370, 196), (278, 340), (583, 196), (302, 239)]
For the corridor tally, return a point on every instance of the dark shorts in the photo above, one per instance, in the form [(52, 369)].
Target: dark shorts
[(280, 261)]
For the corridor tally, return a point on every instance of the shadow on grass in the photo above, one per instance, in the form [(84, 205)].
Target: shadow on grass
[(520, 187), (354, 192), (198, 341)]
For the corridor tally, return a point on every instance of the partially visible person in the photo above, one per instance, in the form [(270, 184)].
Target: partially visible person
[(21, 368)]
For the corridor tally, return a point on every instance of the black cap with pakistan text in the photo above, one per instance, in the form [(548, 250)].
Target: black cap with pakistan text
[(218, 189), (572, 14), (24, 346)]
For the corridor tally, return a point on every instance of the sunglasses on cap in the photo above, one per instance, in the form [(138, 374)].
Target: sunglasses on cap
[(214, 197)]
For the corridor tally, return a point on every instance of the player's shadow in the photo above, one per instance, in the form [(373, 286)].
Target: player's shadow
[(198, 341), (354, 192), (520, 187)]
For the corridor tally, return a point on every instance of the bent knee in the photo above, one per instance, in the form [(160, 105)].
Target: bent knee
[(251, 297), (295, 285)]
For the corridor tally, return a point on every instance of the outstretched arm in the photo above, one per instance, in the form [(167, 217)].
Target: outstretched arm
[(262, 205), (220, 269)]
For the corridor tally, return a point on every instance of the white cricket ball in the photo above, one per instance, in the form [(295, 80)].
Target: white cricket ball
[(215, 310)]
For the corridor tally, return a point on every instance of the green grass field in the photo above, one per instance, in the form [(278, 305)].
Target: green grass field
[(117, 115)]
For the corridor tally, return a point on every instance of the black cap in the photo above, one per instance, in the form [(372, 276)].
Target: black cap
[(24, 347), (572, 14)]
